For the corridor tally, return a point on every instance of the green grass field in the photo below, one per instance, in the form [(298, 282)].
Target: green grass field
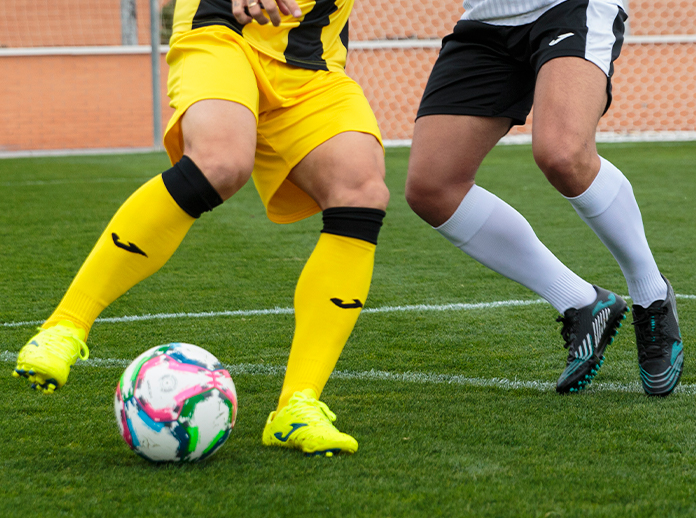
[(453, 404)]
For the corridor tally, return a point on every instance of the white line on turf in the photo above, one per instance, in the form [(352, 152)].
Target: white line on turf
[(255, 369), (288, 311), (408, 377), (82, 181)]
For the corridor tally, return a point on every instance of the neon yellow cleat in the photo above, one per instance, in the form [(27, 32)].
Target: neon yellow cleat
[(305, 424), (47, 357)]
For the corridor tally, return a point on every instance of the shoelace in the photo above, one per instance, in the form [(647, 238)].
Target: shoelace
[(54, 343), (649, 328), (568, 332), (313, 411)]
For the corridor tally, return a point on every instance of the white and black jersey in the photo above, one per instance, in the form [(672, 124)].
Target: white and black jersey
[(510, 12)]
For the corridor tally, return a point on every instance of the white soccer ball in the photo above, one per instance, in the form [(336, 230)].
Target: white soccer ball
[(175, 403)]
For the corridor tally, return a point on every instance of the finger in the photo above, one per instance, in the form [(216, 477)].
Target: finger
[(283, 8), (290, 7), (255, 9), (238, 11), (272, 12)]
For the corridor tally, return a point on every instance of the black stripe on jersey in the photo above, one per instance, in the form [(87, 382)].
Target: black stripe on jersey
[(618, 30), (344, 35), (305, 47), (216, 12)]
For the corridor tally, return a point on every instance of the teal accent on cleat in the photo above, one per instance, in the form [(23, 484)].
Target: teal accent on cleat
[(659, 342), (587, 332)]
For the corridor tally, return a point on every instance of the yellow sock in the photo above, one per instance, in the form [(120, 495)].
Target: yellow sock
[(329, 296), (141, 237)]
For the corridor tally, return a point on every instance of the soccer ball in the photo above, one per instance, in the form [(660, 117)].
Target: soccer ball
[(175, 403)]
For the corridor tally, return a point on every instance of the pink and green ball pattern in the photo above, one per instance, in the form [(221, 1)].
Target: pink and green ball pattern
[(175, 402)]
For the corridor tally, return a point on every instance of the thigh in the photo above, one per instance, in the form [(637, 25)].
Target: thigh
[(345, 171), (575, 46), (591, 30), (569, 100), (303, 155), (220, 137), (446, 153), (211, 63), (450, 148)]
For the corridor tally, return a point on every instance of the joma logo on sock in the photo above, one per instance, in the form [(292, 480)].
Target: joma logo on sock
[(130, 247), (347, 305)]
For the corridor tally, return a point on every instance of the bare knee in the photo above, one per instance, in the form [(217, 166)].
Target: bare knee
[(569, 164), (365, 190), (372, 193), (220, 138), (360, 179), (422, 196), (227, 171), (345, 171), (435, 197)]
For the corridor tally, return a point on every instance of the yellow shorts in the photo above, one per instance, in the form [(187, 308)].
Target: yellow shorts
[(296, 109)]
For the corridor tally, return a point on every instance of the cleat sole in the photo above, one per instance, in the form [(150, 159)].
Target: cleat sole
[(325, 453)]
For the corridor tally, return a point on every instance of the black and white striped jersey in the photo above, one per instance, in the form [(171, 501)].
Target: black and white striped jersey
[(317, 41), (512, 12)]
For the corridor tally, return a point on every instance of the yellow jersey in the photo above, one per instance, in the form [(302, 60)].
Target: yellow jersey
[(316, 41)]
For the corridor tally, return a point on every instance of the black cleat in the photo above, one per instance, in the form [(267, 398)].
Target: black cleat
[(660, 349), (587, 332)]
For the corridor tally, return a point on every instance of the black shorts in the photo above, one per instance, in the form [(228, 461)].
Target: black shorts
[(490, 70)]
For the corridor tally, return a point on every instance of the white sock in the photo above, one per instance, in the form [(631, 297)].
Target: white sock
[(610, 209), (496, 235)]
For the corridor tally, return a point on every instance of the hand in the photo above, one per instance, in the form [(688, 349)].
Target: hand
[(245, 11)]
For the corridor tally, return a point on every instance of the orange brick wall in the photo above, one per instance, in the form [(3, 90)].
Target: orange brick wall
[(74, 102), (67, 23), (104, 101), (661, 17), (654, 88)]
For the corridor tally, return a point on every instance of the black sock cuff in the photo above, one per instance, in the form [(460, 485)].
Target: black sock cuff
[(358, 222), (190, 188)]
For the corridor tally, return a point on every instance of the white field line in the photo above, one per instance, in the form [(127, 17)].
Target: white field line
[(421, 378), (289, 311), (523, 139), (82, 181), (404, 377)]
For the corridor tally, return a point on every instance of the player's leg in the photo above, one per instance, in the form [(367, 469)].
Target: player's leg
[(345, 175), (150, 225), (330, 142), (492, 232), (446, 152), (144, 233), (566, 114), (152, 222)]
